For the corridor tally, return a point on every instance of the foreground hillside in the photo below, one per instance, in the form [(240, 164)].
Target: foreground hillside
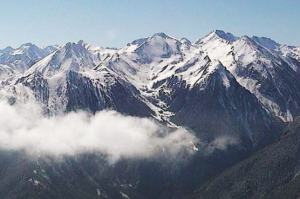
[(269, 173)]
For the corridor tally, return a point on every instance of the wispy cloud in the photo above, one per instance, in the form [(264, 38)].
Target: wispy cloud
[(24, 127)]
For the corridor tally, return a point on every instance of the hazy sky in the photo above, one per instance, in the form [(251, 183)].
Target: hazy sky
[(117, 22)]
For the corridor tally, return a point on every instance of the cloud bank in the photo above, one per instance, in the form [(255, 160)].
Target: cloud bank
[(24, 127)]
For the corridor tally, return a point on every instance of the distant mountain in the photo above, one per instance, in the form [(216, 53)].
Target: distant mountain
[(220, 76), (24, 56), (221, 87)]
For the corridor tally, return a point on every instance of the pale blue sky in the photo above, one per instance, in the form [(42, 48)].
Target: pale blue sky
[(117, 22)]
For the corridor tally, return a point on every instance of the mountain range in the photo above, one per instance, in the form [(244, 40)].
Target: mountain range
[(221, 86)]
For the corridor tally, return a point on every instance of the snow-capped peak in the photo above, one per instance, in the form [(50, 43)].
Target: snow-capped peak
[(185, 41), (50, 49), (23, 57), (266, 42), (71, 56), (6, 50), (245, 40), (160, 34), (216, 35), (31, 50), (27, 45), (225, 35), (74, 46), (145, 62), (157, 47)]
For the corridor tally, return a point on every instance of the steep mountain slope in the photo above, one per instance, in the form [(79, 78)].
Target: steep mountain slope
[(259, 68), (270, 173), (215, 95), (142, 60), (66, 80), (185, 87)]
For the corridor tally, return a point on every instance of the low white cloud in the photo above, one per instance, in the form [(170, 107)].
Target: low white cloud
[(221, 143), (23, 127)]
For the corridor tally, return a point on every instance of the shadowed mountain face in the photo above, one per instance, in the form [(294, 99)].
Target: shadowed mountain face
[(91, 176), (215, 110), (268, 173), (225, 89)]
